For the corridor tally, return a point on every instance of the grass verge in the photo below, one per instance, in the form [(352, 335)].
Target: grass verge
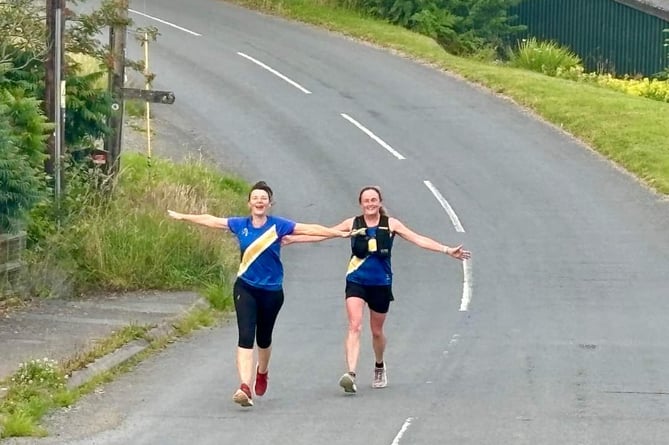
[(124, 241), (120, 238), (39, 386), (631, 131)]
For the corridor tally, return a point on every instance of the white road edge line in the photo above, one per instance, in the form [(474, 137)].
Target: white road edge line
[(451, 213), (403, 430), (466, 265), (275, 72), (378, 140), (466, 286), (180, 28)]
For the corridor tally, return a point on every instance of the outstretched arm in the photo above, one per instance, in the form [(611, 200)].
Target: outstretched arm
[(204, 220), (343, 230), (427, 243)]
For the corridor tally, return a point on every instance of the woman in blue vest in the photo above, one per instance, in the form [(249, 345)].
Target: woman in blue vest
[(258, 290), (369, 277)]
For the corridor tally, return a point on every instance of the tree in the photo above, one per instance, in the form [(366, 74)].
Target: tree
[(460, 26), (21, 186), (22, 30)]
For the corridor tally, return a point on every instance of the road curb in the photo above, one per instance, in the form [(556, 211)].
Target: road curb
[(165, 328)]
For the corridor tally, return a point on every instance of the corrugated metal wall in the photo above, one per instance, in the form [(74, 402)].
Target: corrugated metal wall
[(606, 34)]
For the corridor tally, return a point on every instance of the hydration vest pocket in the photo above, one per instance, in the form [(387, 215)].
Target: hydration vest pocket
[(363, 245)]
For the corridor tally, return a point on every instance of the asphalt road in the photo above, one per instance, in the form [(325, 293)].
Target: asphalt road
[(554, 333)]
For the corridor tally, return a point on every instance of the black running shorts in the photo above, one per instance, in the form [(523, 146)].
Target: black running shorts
[(378, 298)]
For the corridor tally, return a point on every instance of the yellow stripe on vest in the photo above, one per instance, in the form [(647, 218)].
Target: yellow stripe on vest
[(256, 248), (354, 264)]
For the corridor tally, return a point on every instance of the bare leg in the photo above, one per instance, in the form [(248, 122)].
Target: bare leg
[(245, 365), (376, 321), (264, 355), (354, 309)]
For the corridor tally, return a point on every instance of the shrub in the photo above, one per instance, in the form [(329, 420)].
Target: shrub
[(550, 59), (544, 57), (655, 89), (460, 26), (20, 185), (87, 111), (29, 126), (88, 102)]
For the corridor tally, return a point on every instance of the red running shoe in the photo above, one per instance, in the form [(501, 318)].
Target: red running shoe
[(261, 382), (243, 395)]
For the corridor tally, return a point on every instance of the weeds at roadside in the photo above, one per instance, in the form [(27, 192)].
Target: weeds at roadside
[(39, 386)]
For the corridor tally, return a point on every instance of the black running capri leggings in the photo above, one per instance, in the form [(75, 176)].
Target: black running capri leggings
[(257, 310)]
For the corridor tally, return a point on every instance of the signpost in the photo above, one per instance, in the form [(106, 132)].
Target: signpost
[(117, 41)]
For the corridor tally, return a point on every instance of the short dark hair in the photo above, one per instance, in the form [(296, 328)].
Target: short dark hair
[(262, 185)]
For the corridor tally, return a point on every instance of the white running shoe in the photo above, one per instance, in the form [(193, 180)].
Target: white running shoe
[(380, 377), (347, 381), (243, 396)]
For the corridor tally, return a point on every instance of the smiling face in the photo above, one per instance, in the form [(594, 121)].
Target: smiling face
[(259, 202), (370, 201)]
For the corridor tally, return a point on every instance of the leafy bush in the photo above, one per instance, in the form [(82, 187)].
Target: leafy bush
[(20, 184), (553, 60), (544, 57), (25, 71), (87, 111), (460, 26), (89, 102), (655, 89), (29, 126)]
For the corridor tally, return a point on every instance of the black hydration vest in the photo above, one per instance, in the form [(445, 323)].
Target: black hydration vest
[(383, 238)]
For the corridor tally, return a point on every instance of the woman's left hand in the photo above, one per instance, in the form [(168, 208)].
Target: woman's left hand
[(458, 252)]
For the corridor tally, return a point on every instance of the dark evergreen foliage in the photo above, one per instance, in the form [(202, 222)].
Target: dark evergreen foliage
[(20, 185), (460, 26)]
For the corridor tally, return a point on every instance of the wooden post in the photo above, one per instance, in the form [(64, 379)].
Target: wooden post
[(117, 43)]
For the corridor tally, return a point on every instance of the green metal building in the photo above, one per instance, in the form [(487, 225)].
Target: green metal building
[(616, 36)]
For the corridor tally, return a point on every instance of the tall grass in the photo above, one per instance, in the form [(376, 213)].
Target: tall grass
[(127, 242), (543, 57), (20, 424)]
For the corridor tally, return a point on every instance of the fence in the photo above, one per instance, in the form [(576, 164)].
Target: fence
[(11, 249)]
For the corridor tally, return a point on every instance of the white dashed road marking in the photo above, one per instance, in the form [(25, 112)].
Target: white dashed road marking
[(275, 72), (377, 139), (180, 28)]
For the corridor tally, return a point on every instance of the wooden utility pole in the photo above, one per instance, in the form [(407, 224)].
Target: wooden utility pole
[(117, 43), (54, 14)]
